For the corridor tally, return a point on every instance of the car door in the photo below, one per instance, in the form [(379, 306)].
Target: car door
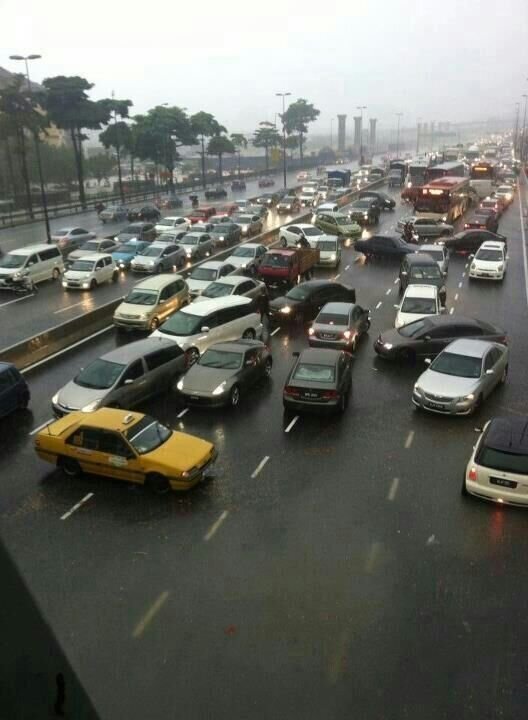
[(292, 234), (168, 257), (168, 299), (492, 361), (358, 319), (32, 266), (164, 366), (344, 376), (248, 288), (83, 446), (250, 367), (118, 458), (8, 393), (204, 244), (131, 388), (434, 341)]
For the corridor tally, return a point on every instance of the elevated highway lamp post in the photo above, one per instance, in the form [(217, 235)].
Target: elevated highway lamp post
[(283, 96), (361, 158)]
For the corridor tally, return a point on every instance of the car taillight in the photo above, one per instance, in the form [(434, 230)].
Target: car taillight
[(503, 340), (292, 392), (472, 474), (329, 394)]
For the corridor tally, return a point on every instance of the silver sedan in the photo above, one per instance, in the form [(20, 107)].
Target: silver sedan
[(426, 227), (461, 377)]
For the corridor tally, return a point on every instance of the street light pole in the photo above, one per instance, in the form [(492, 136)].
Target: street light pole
[(44, 199), (398, 115), (283, 96), (361, 108), (118, 153), (516, 131), (418, 126), (523, 143)]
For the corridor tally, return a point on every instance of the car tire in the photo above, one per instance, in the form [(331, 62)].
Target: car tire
[(157, 484), (477, 405), (504, 375), (283, 242), (367, 327), (343, 403), (154, 324), (115, 276), (24, 401), (69, 467), (406, 356), (93, 284), (268, 365), (55, 275), (234, 396), (249, 334)]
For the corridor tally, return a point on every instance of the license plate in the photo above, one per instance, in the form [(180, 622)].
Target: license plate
[(310, 395), (435, 406), (327, 336), (503, 482)]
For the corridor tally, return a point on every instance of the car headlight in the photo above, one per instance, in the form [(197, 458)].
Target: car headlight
[(144, 316), (151, 263), (500, 267), (244, 228), (221, 238), (387, 346), (188, 253), (465, 398), (365, 215), (333, 256), (220, 389), (286, 310), (86, 286), (91, 406), (473, 266), (418, 390), (55, 399), (179, 384), (444, 218), (64, 283)]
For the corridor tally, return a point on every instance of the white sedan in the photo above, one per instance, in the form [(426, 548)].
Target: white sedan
[(289, 235)]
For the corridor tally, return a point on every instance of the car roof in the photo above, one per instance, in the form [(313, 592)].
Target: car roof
[(420, 259), (134, 350), (509, 434), (29, 249), (470, 347), (240, 345), (442, 320), (212, 264), (110, 419), (421, 291), (492, 245), (173, 217), (250, 245), (156, 282), (337, 307), (319, 283), (95, 256), (425, 249), (234, 279), (319, 356), (207, 306)]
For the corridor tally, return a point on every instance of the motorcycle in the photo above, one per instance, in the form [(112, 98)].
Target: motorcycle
[(194, 200), (99, 207), (23, 285)]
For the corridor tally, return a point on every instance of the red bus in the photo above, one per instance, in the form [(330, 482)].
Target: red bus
[(446, 169), (445, 199)]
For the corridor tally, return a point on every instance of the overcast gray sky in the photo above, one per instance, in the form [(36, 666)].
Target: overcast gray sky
[(435, 59)]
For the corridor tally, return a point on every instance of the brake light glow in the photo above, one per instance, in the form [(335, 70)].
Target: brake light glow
[(291, 392), (330, 394), (472, 474)]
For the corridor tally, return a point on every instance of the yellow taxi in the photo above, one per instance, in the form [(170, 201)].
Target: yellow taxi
[(127, 446)]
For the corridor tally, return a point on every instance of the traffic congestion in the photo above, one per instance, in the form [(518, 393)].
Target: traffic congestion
[(348, 352)]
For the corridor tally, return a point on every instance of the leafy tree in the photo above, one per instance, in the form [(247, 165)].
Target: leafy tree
[(239, 141), (117, 134), (326, 155), (220, 145), (266, 136), (205, 126), (292, 143), (296, 119), (69, 108), (100, 166), (58, 165), (159, 135)]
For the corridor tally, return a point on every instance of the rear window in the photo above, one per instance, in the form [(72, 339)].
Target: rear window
[(332, 319), (504, 461), (314, 373)]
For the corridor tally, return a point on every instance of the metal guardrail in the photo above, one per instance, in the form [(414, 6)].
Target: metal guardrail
[(45, 344)]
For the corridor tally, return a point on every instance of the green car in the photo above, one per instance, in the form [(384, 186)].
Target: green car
[(337, 224)]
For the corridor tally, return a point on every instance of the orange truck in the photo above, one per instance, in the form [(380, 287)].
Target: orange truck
[(286, 266)]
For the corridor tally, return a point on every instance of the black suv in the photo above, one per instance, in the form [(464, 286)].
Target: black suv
[(148, 212), (385, 201), (421, 269), (304, 301), (365, 211), (215, 193), (384, 246)]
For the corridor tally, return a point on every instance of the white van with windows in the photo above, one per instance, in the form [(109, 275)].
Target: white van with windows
[(39, 262), (86, 273), (198, 326)]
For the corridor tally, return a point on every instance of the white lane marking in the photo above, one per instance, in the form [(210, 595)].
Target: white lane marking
[(182, 413), (259, 467), (388, 291), (523, 234), (393, 489), (456, 296), (347, 267), (39, 427), (292, 424), (459, 284), (379, 305), (452, 310), (409, 440), (214, 527), (396, 281), (337, 276), (463, 274), (68, 307), (275, 331), (150, 614), (65, 350), (77, 506), (372, 557), (11, 302)]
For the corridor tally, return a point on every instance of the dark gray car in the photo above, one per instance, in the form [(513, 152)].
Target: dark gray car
[(225, 372), (123, 377)]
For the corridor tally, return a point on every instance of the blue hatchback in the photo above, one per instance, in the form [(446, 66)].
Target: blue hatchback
[(14, 392), (124, 254)]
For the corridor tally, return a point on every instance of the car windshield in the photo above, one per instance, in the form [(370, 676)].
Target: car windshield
[(412, 329), (190, 240), (182, 323), (90, 246), (217, 289), (504, 189), (82, 265), (276, 261), (424, 306), (489, 255), (222, 228), (100, 374), (485, 212), (244, 252), (331, 319), (311, 231), (166, 221), (362, 204), (201, 273), (435, 254), (449, 363), (131, 230), (129, 248), (426, 272), (221, 359), (152, 251), (147, 435), (503, 461), (298, 293), (327, 246), (314, 372), (242, 218), (140, 296), (12, 261)]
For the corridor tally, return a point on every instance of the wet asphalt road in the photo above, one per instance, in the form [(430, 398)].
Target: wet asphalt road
[(348, 578)]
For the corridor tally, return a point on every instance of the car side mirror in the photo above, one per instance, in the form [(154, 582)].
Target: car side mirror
[(248, 363), (128, 381), (444, 273), (204, 329), (295, 354), (427, 361), (403, 273), (490, 371), (472, 256)]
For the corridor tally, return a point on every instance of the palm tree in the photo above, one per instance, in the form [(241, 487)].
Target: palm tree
[(239, 141), (220, 145), (205, 126), (266, 136)]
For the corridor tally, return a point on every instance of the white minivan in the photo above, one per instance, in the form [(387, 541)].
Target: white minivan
[(87, 272), (39, 262), (198, 326)]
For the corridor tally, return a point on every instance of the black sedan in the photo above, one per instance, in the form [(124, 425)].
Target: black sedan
[(365, 211), (469, 241), (319, 380), (215, 193), (268, 199), (226, 233), (390, 246), (304, 301), (483, 219), (429, 336), (384, 201), (225, 372), (238, 185), (145, 213), (139, 230)]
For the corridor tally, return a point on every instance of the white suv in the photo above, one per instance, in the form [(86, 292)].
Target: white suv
[(490, 261), (419, 301), (198, 326), (87, 272)]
